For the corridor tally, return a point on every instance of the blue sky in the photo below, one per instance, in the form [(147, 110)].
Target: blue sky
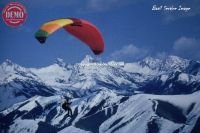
[(130, 28)]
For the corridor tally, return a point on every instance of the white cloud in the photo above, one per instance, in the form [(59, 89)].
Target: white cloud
[(129, 53), (187, 48)]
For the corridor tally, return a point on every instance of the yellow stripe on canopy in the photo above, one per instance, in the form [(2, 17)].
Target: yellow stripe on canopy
[(54, 25), (60, 22)]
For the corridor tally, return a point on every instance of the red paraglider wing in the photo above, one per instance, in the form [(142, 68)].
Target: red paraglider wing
[(87, 33), (81, 29)]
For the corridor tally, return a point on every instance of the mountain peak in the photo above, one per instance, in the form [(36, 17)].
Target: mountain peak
[(60, 62), (150, 61), (8, 62), (174, 58), (89, 59), (175, 62), (168, 63)]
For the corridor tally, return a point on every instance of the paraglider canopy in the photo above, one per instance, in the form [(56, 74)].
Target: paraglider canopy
[(81, 29)]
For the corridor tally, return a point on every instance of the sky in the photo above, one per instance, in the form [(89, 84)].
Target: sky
[(130, 28)]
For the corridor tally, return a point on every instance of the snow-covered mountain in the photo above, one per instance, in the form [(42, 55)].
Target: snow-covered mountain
[(149, 96)]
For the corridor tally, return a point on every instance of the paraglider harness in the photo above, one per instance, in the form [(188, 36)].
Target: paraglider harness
[(66, 106)]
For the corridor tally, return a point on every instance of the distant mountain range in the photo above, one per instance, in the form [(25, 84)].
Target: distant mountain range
[(148, 96)]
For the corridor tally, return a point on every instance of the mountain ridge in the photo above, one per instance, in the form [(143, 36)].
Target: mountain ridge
[(142, 96)]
